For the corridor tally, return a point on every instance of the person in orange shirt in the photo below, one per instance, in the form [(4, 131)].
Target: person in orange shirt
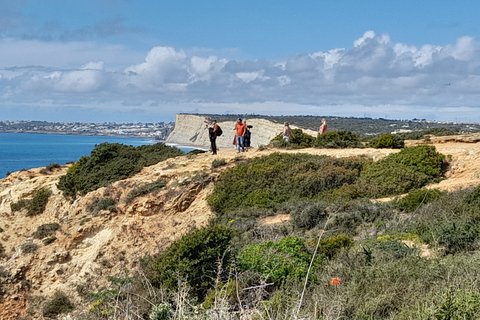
[(240, 129)]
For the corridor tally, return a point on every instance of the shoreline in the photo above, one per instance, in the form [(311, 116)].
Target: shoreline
[(83, 134)]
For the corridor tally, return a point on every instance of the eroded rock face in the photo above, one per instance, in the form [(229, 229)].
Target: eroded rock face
[(92, 246), (190, 130)]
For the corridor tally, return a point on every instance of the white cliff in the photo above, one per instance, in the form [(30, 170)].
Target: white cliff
[(191, 130)]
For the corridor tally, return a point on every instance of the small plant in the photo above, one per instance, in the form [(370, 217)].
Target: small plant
[(19, 205), (102, 204), (46, 230), (331, 246), (38, 203), (161, 312), (58, 304), (415, 198), (50, 168), (387, 141), (146, 189), (2, 251), (278, 261), (29, 247), (218, 163), (49, 240)]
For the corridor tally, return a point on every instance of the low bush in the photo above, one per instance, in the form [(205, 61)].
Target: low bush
[(337, 140), (58, 304), (34, 206), (50, 168), (146, 189), (194, 258), (455, 235), (99, 204), (218, 163), (277, 261), (278, 178), (411, 168), (39, 202), (109, 162), (415, 198), (28, 247), (298, 140), (19, 205), (46, 230), (329, 247), (306, 214), (2, 251), (387, 141)]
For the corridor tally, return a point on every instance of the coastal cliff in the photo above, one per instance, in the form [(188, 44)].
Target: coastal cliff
[(190, 130)]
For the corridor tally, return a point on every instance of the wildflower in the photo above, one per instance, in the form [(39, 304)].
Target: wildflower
[(336, 281)]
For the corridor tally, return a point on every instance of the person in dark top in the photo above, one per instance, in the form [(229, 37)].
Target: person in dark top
[(247, 136), (212, 134)]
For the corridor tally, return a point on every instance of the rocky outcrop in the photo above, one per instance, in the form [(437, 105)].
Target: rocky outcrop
[(191, 130)]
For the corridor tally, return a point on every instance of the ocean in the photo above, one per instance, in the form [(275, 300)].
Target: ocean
[(32, 150)]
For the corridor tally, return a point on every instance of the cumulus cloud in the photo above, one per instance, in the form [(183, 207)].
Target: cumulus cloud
[(376, 76)]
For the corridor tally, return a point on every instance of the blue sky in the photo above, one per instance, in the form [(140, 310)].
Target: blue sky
[(144, 61)]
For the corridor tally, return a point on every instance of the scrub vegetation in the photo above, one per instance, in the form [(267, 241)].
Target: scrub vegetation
[(110, 162), (342, 255)]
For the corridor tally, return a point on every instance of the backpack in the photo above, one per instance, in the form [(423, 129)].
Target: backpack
[(219, 131)]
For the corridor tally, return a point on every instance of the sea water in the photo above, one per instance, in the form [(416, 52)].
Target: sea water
[(29, 150)]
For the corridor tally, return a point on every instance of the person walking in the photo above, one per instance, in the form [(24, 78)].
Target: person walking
[(287, 132), (212, 134), (247, 136), (240, 129), (323, 127)]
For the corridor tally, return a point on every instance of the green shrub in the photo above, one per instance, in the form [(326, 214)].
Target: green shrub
[(100, 204), (49, 240), (161, 312), (277, 261), (218, 163), (458, 304), (473, 198), (50, 168), (307, 214), (34, 206), (298, 140), (411, 168), (46, 230), (28, 247), (19, 205), (387, 141), (194, 258), (146, 189), (2, 251), (58, 304), (416, 198), (278, 178), (332, 245), (455, 235), (337, 140), (109, 162)]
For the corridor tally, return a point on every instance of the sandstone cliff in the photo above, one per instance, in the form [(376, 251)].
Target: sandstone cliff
[(190, 130)]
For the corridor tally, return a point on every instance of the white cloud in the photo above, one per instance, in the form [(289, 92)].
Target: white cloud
[(375, 76)]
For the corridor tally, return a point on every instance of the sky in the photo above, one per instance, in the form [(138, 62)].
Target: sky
[(146, 60)]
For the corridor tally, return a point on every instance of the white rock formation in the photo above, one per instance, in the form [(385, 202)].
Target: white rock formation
[(190, 130)]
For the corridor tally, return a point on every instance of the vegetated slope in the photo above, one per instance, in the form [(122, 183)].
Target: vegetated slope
[(95, 240)]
